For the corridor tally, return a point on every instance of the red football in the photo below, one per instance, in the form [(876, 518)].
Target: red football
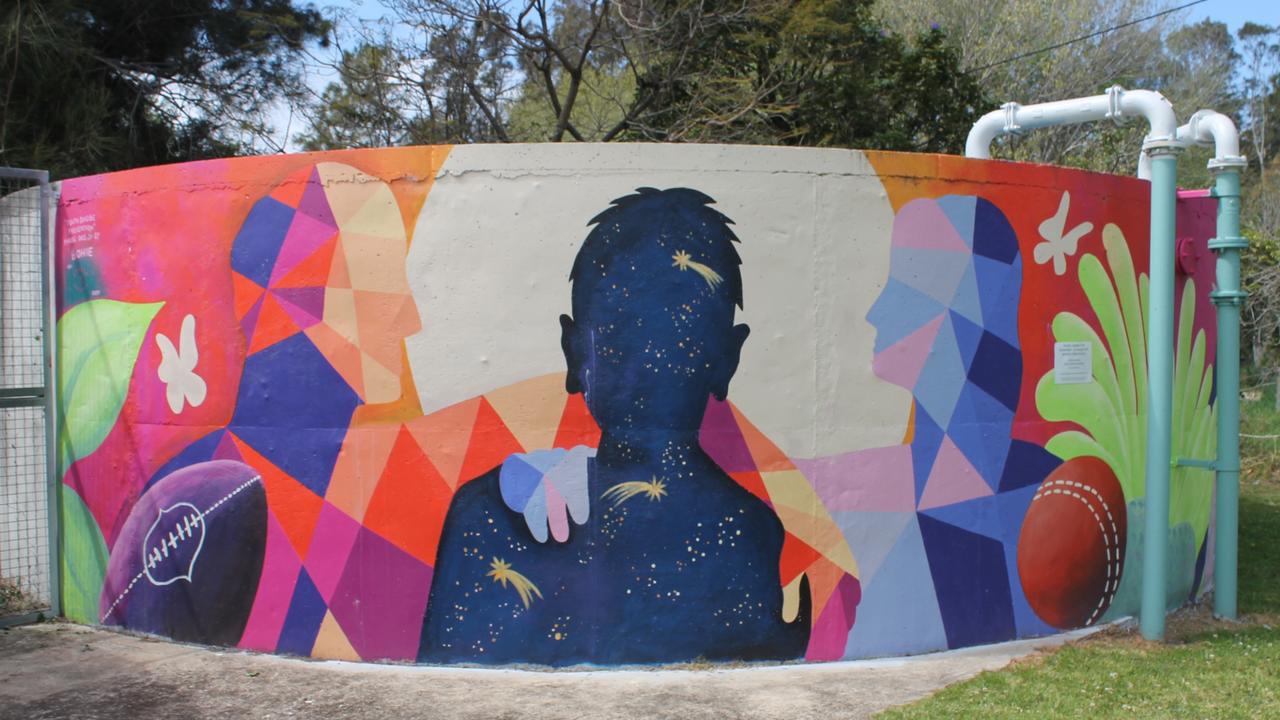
[(1071, 550)]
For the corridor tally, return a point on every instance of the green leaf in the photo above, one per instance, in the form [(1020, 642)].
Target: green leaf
[(84, 559), (98, 343)]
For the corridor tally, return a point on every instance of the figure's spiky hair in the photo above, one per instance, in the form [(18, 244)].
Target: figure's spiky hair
[(663, 231)]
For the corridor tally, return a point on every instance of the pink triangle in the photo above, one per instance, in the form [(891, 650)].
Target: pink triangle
[(306, 235), (901, 362), (315, 203), (721, 438), (953, 479), (330, 547), (305, 306), (280, 570), (922, 224)]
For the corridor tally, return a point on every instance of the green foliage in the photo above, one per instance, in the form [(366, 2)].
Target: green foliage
[(1112, 410), (84, 558), (814, 72), (98, 85), (98, 343), (601, 106), (369, 106)]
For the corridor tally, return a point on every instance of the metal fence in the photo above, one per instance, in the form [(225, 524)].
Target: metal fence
[(28, 522)]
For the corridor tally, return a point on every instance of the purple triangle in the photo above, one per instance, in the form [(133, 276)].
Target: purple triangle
[(306, 236), (227, 449), (315, 203), (250, 319), (305, 306), (722, 440)]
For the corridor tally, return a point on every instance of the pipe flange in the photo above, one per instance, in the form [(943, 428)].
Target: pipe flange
[(1228, 298), (1156, 146), (1011, 126), (1231, 162), (1114, 112), (1228, 243)]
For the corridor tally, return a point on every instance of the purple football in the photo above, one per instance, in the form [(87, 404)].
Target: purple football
[(187, 561)]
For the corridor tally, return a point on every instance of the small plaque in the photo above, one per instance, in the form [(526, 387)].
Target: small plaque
[(1072, 363)]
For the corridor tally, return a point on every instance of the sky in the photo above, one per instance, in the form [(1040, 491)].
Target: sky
[(1232, 12)]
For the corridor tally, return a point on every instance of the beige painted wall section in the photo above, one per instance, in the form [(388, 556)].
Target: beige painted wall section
[(491, 255)]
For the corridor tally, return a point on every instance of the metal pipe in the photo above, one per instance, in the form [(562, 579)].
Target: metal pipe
[(1164, 177), (1115, 104), (1162, 146), (1208, 126)]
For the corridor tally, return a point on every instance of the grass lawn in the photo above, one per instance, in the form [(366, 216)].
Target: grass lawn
[(1207, 669)]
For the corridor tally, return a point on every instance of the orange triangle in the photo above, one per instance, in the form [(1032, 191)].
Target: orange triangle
[(295, 507), (767, 456), (274, 325), (491, 443), (796, 557), (341, 354), (410, 501), (364, 453), (332, 643), (313, 271), (291, 189), (339, 276), (577, 427), (752, 482), (531, 409), (444, 436), (245, 293)]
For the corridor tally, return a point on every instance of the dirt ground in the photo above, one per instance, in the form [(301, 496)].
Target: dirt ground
[(56, 670)]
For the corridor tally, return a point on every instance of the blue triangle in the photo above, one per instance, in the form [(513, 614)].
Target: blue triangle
[(980, 428), (966, 301), (979, 515), (992, 233), (924, 448), (898, 613), (306, 613), (968, 336), (258, 242), (960, 209), (1000, 286), (201, 450), (971, 582), (899, 311), (940, 382)]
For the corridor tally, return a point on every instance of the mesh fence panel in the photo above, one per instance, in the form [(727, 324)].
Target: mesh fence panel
[(26, 572)]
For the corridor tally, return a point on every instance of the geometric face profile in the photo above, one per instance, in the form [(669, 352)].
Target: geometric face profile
[(324, 254)]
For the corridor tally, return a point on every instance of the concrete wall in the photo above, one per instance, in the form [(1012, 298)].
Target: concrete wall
[(614, 404)]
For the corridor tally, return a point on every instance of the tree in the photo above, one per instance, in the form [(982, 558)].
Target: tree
[(98, 85), (369, 106), (812, 72)]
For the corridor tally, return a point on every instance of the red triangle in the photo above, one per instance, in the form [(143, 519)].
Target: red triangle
[(491, 443), (577, 427), (796, 557), (295, 507), (245, 293), (313, 271), (410, 501), (751, 480), (274, 325)]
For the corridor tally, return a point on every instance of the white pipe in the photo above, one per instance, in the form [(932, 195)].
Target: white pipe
[(1206, 127), (1115, 104)]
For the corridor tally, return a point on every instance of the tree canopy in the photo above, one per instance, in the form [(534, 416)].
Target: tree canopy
[(97, 85)]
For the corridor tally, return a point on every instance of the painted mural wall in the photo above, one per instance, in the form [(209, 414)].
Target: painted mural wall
[(616, 404)]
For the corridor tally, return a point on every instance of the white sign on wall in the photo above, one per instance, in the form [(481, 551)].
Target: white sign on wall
[(1072, 363)]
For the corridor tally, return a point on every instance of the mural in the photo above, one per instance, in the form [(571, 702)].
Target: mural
[(614, 405)]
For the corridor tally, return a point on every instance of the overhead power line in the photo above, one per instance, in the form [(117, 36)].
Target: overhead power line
[(1091, 35)]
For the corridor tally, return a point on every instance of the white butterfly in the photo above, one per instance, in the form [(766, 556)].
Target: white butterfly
[(177, 367), (1059, 245)]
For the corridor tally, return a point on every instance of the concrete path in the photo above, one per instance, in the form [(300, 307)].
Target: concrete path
[(69, 671)]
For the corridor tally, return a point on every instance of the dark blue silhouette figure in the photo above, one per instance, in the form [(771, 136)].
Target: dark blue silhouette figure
[(674, 560)]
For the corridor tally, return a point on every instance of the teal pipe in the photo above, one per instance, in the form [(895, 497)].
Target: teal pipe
[(1227, 297), (1164, 171)]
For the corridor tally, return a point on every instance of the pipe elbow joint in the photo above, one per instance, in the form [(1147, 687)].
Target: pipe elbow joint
[(985, 131), (1211, 127), (1163, 137)]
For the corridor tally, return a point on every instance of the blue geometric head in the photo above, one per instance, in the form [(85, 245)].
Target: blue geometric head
[(655, 286), (948, 315)]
